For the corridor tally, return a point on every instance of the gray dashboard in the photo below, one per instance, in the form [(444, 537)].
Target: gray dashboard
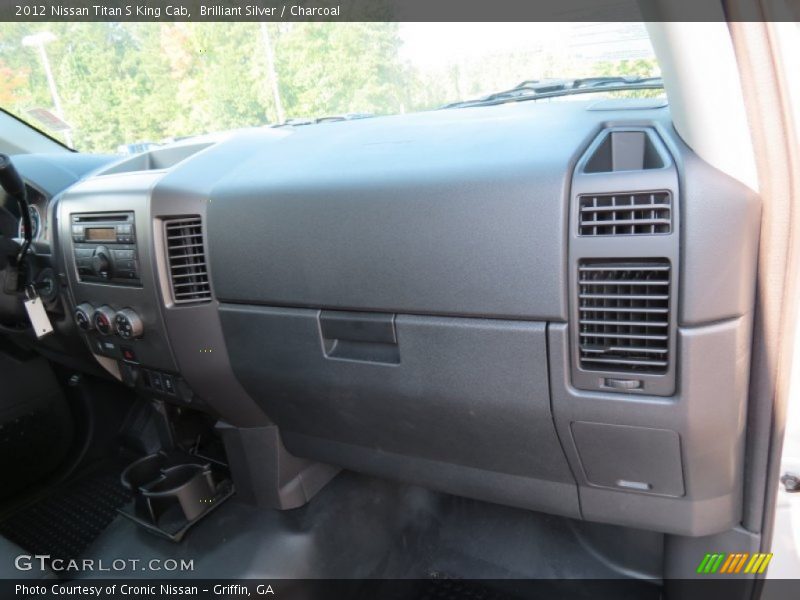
[(453, 212), (543, 305)]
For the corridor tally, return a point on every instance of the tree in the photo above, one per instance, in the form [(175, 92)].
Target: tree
[(13, 84), (319, 76), (129, 82)]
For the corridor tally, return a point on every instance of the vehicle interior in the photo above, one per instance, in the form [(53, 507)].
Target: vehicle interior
[(499, 340)]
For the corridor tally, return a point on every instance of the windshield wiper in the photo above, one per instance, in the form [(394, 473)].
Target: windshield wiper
[(327, 119), (536, 89)]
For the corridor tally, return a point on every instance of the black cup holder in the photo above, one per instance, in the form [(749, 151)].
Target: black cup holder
[(174, 491), (143, 471)]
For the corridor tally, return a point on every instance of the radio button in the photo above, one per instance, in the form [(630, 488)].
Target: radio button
[(101, 265), (125, 265)]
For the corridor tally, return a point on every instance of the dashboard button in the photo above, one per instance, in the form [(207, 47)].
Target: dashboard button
[(128, 354), (130, 373), (169, 384), (155, 381)]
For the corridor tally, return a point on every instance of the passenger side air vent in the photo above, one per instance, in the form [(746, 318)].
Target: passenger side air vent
[(187, 261), (625, 214), (624, 312)]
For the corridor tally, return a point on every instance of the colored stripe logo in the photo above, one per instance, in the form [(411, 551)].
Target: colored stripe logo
[(733, 563)]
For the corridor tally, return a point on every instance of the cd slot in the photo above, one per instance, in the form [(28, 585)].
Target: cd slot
[(109, 218)]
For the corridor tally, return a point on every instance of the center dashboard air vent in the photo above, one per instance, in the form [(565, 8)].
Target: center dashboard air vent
[(624, 315), (645, 213), (188, 269)]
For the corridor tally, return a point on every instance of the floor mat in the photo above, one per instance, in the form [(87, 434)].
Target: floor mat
[(362, 527), (64, 522)]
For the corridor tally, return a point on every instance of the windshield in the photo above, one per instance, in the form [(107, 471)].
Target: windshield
[(125, 87)]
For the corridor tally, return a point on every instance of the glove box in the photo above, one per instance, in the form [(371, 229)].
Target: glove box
[(457, 404)]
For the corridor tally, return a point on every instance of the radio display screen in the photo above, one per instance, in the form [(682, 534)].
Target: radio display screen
[(101, 234)]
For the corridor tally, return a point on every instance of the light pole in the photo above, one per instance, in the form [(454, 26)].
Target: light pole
[(38, 40), (271, 72)]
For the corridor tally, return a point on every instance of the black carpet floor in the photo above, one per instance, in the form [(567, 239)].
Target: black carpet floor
[(64, 522)]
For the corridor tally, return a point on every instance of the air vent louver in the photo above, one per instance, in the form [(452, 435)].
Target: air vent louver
[(624, 313), (626, 214), (187, 262)]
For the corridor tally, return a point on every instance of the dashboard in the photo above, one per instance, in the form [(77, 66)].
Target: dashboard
[(505, 302)]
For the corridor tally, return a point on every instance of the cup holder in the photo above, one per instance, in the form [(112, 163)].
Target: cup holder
[(192, 486), (174, 491), (143, 471)]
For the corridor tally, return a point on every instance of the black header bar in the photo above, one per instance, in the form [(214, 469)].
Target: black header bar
[(399, 10)]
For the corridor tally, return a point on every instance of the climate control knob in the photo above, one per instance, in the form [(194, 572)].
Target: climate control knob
[(103, 318), (83, 316), (128, 324)]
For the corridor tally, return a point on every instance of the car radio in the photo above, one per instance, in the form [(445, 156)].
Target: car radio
[(104, 247)]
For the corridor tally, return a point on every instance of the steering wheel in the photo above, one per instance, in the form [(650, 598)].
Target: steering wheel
[(12, 254)]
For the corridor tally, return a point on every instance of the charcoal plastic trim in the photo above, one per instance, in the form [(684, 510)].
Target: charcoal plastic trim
[(466, 409), (624, 248)]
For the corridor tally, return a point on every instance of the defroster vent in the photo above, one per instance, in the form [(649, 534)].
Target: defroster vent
[(187, 260), (646, 213), (624, 315)]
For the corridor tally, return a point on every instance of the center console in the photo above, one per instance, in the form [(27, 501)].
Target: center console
[(106, 241), (131, 258)]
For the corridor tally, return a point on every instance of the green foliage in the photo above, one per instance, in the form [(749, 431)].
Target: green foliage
[(640, 67), (131, 82), (352, 67)]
